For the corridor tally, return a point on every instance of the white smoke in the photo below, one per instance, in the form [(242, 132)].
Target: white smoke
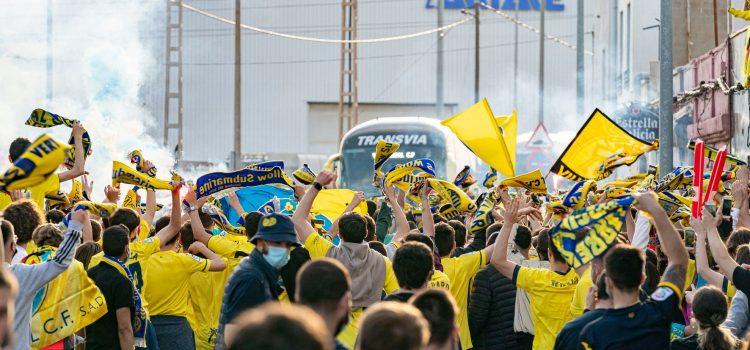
[(100, 63)]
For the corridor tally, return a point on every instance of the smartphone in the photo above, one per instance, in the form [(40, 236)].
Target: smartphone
[(689, 238), (726, 206)]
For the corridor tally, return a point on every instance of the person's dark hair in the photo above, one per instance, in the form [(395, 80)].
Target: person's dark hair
[(418, 237), (742, 256), (652, 278), (492, 238), (412, 225), (251, 223), (86, 251), (378, 247), (541, 245), (739, 237), (392, 325), (522, 240), (601, 287), (494, 227), (25, 216), (440, 310), (96, 230), (624, 266), (277, 326), (114, 240), (444, 239), (352, 228), (412, 264), (459, 231), (205, 219), (47, 234), (127, 217), (160, 223), (546, 241), (17, 147), (710, 310), (437, 218), (54, 216), (185, 236), (370, 229), (7, 228), (371, 208), (321, 283)]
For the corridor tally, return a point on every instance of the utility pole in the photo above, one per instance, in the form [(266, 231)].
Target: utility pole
[(49, 50), (348, 76), (665, 88), (173, 77), (237, 152), (579, 60), (540, 108), (476, 51), (612, 69), (515, 60), (439, 97)]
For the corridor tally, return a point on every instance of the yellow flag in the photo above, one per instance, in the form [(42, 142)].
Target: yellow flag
[(508, 125), (332, 203), (64, 306), (454, 201), (599, 147), (36, 164), (477, 128), (533, 181), (131, 199), (102, 209)]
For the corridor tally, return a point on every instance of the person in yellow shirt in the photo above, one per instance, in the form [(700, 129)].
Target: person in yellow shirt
[(52, 184), (167, 289), (595, 268), (371, 272), (550, 290)]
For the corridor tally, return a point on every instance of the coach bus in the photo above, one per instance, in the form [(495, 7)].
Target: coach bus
[(419, 137)]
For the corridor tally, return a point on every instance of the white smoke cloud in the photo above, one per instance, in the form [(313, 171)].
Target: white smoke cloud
[(100, 63)]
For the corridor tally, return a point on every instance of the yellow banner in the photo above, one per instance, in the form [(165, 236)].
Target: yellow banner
[(477, 128), (103, 210), (533, 181), (508, 125), (121, 173), (332, 203), (64, 306), (40, 160), (454, 200), (599, 147), (131, 200)]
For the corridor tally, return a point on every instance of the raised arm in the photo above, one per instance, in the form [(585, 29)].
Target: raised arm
[(234, 202), (79, 166), (727, 265), (148, 216), (671, 243), (383, 223), (175, 219), (199, 232), (358, 198), (402, 225), (216, 262), (428, 222), (740, 194), (301, 224), (701, 255), (499, 255)]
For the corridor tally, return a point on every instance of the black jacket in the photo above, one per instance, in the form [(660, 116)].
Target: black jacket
[(491, 311)]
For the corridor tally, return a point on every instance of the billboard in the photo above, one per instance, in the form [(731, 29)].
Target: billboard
[(504, 5)]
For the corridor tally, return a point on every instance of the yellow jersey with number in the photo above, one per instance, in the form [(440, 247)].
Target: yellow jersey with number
[(460, 271)]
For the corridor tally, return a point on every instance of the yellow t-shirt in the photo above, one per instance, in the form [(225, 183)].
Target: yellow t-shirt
[(550, 295), (440, 280), (460, 272), (206, 290), (139, 252), (167, 281), (579, 297), (38, 192), (229, 248), (318, 247)]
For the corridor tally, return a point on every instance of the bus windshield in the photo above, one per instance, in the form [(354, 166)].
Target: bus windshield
[(357, 158)]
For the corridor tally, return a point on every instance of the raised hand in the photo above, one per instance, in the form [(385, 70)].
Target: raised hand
[(112, 193), (325, 177)]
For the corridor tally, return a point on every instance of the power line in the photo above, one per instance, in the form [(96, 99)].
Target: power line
[(329, 41), (526, 26)]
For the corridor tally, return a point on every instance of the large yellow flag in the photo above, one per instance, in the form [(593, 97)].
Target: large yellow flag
[(64, 306), (330, 204), (477, 128), (508, 125), (599, 147)]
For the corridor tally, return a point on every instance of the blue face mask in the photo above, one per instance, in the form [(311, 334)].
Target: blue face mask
[(277, 256)]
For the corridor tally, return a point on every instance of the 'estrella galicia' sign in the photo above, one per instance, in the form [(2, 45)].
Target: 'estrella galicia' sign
[(504, 5), (639, 120)]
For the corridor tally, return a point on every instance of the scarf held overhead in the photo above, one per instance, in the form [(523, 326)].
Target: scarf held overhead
[(35, 165), (212, 183), (121, 173), (44, 119)]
